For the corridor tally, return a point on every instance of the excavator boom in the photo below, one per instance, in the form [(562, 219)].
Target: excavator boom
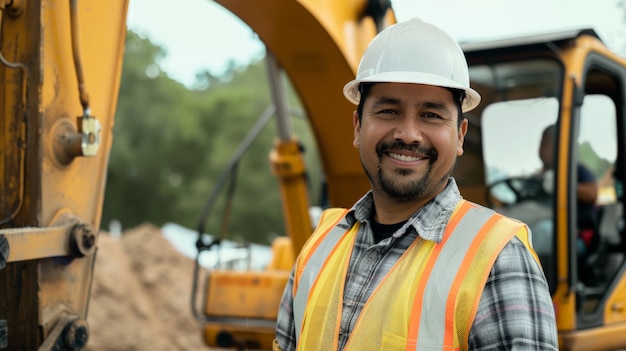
[(59, 79)]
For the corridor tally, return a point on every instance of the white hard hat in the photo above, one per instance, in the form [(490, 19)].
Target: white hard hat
[(414, 52)]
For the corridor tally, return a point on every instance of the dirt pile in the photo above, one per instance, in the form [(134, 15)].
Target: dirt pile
[(141, 295)]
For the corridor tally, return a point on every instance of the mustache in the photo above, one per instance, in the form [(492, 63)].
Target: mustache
[(384, 147)]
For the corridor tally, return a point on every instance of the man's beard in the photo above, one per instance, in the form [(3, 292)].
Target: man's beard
[(407, 191), (413, 189)]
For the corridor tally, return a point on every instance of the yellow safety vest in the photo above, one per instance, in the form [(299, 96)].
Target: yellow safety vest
[(433, 310)]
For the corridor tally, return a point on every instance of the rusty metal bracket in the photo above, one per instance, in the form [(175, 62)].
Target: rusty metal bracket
[(67, 237)]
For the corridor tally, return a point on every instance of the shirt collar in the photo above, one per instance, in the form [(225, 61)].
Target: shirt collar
[(429, 221)]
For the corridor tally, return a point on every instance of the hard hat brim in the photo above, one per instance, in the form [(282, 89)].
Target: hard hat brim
[(351, 90)]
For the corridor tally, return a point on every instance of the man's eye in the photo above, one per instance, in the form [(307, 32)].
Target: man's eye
[(430, 115), (388, 111)]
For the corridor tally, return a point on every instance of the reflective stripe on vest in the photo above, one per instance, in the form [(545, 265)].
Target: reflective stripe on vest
[(440, 272), (332, 226), (447, 268), (437, 307)]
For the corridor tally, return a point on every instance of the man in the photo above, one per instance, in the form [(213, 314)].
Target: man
[(589, 272), (586, 190), (412, 265)]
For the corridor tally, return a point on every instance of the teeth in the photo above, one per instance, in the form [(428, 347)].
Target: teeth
[(403, 157)]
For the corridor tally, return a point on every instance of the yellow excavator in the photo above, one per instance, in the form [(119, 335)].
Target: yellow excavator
[(60, 66)]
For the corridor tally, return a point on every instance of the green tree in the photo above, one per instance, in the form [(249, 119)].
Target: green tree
[(170, 144)]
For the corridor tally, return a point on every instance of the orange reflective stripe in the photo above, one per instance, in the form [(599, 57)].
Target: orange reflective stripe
[(315, 241), (485, 276), (344, 273), (451, 303), (337, 256), (332, 252), (319, 238), (414, 323)]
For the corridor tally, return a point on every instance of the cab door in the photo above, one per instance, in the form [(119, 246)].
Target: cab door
[(595, 231)]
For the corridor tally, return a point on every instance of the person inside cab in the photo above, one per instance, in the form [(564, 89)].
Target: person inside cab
[(586, 192)]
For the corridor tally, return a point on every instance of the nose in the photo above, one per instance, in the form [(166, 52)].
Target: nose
[(409, 130)]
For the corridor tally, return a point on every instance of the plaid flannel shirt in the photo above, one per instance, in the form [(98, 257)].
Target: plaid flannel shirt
[(515, 310)]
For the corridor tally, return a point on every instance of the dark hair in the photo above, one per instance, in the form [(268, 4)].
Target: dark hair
[(457, 94), (364, 91)]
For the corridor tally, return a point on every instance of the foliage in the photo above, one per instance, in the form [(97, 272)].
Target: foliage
[(170, 145), (596, 164)]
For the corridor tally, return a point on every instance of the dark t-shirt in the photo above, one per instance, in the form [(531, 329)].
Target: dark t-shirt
[(383, 231)]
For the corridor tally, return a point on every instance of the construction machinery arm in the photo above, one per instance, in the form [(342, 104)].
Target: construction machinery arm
[(59, 80)]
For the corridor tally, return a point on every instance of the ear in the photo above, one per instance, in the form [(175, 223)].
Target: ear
[(461, 139), (357, 129)]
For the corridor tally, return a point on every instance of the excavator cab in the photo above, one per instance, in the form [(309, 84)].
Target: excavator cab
[(551, 121)]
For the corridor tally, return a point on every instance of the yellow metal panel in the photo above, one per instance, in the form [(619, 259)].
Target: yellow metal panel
[(245, 294), (79, 186), (564, 297), (41, 285), (606, 338), (615, 308)]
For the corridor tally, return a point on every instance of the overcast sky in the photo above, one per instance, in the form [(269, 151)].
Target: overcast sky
[(200, 34)]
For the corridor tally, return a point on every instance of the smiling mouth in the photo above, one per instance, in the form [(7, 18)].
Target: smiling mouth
[(404, 158), (402, 152)]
